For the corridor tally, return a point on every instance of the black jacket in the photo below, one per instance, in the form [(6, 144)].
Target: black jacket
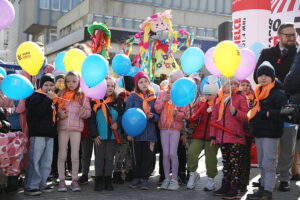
[(271, 126), (282, 65), (39, 114)]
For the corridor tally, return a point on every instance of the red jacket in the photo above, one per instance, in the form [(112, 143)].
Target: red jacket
[(233, 123), (202, 127)]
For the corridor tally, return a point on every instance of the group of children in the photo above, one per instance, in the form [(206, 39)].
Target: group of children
[(225, 118)]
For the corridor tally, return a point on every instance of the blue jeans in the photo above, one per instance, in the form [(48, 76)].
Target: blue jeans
[(39, 164)]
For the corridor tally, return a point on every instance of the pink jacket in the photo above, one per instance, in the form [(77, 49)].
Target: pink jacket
[(233, 123), (176, 122), (73, 122)]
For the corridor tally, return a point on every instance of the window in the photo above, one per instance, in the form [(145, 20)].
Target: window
[(75, 2), (66, 5), (55, 4), (52, 35), (44, 4)]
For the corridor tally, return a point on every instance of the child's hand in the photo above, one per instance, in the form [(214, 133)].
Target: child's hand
[(150, 115), (114, 126), (50, 94), (97, 140), (232, 110), (209, 109), (183, 139), (166, 98), (212, 143), (62, 114), (81, 112), (129, 138)]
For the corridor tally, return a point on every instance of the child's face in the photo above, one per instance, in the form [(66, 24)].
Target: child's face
[(48, 86), (245, 87), (264, 80), (110, 87), (159, 25), (233, 85), (72, 82), (209, 97), (143, 85), (60, 84)]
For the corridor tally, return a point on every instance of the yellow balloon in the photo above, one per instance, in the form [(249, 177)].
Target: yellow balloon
[(74, 59), (227, 58), (30, 57)]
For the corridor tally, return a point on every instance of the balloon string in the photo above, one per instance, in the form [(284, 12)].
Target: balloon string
[(230, 91)]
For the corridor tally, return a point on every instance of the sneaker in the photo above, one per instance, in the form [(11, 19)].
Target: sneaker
[(75, 187), (34, 192), (256, 195), (210, 185), (284, 186), (145, 184), (165, 184), (83, 180), (194, 177), (48, 188), (231, 194), (173, 185), (135, 183), (62, 186), (68, 175), (225, 187)]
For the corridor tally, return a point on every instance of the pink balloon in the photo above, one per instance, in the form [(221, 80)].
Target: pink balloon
[(209, 62), (247, 66), (97, 92), (7, 14)]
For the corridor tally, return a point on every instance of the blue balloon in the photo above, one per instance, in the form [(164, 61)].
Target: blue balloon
[(3, 72), (59, 61), (133, 71), (121, 64), (16, 87), (134, 122), (257, 47), (192, 60), (204, 81), (183, 92), (121, 82), (94, 69)]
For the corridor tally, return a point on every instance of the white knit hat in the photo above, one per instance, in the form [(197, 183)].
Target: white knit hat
[(211, 86)]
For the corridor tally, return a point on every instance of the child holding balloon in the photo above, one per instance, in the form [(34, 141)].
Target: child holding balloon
[(143, 145), (104, 127), (72, 108), (226, 129), (170, 124)]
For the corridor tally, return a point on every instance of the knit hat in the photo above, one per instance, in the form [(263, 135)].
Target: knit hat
[(59, 76), (45, 78), (211, 86), (245, 81), (140, 75), (267, 69)]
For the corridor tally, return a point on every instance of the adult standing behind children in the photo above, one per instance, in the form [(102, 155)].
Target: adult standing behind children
[(281, 58)]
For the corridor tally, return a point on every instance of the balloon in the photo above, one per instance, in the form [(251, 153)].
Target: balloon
[(16, 86), (133, 71), (257, 47), (247, 66), (3, 72), (134, 122), (121, 82), (209, 62), (59, 61), (192, 60), (206, 81), (227, 57), (97, 92), (7, 14), (73, 60), (121, 64), (94, 69), (183, 91), (30, 57)]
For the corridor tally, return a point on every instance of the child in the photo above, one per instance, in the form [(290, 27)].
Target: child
[(170, 124), (103, 125), (200, 139), (42, 128), (73, 108), (228, 115), (143, 145), (267, 127)]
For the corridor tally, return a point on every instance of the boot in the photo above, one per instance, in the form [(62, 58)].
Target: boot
[(129, 176), (107, 183), (225, 187), (98, 183), (233, 192), (12, 184), (256, 195), (117, 178)]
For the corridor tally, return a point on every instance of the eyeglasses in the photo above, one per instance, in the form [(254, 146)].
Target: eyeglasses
[(289, 35)]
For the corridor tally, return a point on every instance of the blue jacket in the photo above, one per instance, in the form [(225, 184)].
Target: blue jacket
[(149, 133), (98, 126)]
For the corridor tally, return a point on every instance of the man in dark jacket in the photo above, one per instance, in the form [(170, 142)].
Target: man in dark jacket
[(281, 57)]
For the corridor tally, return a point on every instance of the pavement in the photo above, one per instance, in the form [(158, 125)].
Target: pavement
[(123, 192)]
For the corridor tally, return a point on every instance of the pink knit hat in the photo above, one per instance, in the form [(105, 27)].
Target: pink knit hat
[(140, 75)]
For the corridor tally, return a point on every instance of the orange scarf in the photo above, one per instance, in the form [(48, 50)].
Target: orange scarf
[(54, 101), (221, 100), (209, 103), (102, 104), (260, 92), (146, 107), (68, 95)]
